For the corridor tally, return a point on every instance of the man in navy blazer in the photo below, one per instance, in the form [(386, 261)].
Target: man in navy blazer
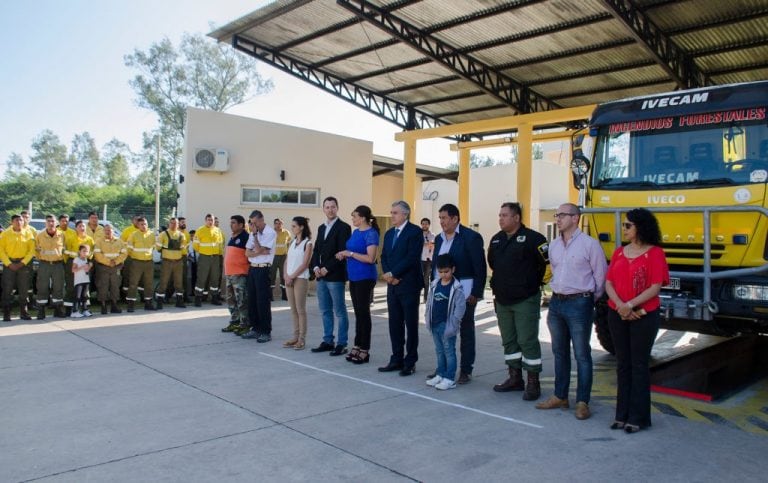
[(467, 250), (401, 264)]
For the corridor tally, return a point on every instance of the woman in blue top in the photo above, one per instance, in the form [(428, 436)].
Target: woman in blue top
[(361, 269)]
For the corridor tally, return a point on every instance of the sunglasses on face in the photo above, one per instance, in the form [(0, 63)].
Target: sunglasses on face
[(627, 225)]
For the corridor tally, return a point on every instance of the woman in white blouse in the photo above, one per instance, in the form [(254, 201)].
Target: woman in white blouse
[(296, 270)]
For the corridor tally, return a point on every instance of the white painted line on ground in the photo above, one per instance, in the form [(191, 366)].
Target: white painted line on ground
[(401, 391)]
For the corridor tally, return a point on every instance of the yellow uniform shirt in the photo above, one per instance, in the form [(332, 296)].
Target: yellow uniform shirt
[(282, 241), (50, 248), (140, 245), (169, 239), (72, 246), (127, 233), (95, 234), (31, 229), (104, 251), (16, 244), (208, 241)]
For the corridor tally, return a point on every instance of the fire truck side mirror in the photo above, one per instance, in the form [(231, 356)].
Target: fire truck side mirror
[(579, 169)]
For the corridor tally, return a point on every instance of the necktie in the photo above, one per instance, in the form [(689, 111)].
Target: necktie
[(394, 239)]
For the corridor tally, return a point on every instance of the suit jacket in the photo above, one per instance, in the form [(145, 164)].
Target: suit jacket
[(404, 259), (326, 248), (468, 253)]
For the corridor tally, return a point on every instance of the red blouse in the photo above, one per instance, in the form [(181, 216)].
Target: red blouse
[(632, 276)]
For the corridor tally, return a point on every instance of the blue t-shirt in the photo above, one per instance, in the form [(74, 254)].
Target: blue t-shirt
[(359, 243), (440, 303)]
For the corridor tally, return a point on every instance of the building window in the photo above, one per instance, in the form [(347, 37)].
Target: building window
[(279, 196)]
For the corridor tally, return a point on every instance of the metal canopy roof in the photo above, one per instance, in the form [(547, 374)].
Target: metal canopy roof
[(425, 63)]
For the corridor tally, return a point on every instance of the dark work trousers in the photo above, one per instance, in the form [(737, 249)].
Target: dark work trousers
[(19, 280), (259, 306), (633, 340), (426, 272), (467, 340), (403, 322), (360, 291)]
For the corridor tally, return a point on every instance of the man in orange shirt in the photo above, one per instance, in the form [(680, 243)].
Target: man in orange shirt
[(236, 267)]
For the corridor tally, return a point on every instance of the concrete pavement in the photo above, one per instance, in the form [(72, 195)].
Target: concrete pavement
[(167, 397)]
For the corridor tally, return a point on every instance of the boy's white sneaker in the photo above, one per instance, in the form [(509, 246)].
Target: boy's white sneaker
[(445, 384), (434, 381), (87, 313), (76, 315)]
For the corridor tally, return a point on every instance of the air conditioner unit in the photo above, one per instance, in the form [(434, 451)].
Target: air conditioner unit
[(211, 159)]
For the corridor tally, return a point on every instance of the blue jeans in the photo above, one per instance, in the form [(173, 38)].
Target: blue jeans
[(445, 349), (570, 320), (330, 300)]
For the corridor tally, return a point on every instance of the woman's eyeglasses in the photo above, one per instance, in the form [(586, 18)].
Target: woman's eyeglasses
[(627, 225)]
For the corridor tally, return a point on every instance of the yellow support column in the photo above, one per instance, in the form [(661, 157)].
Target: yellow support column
[(409, 175), (525, 169), (464, 185)]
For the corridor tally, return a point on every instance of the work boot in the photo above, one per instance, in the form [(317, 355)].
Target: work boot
[(58, 311), (532, 388), (131, 306), (284, 296), (180, 302), (159, 303), (215, 299), (148, 305), (198, 301), (41, 312), (115, 309), (233, 325), (24, 313), (68, 311), (6, 314), (513, 383), (104, 308)]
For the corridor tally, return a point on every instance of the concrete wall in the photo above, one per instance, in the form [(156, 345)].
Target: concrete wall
[(258, 150)]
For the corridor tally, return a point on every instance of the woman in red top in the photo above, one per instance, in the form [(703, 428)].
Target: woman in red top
[(635, 276)]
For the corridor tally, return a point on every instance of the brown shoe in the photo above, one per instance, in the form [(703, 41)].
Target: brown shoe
[(290, 343), (582, 411), (464, 378), (299, 345), (513, 383), (553, 402)]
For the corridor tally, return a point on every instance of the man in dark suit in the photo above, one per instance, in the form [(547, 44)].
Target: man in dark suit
[(466, 248), (331, 275), (401, 264)]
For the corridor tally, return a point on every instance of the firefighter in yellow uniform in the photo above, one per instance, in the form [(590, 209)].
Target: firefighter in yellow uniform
[(50, 271), (17, 247), (124, 236), (93, 229), (173, 245), (72, 244), (110, 254), (140, 246), (281, 250), (188, 288), (25, 217), (207, 243)]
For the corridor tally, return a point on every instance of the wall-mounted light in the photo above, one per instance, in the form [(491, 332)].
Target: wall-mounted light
[(282, 175)]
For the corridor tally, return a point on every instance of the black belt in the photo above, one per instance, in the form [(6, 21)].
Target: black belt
[(51, 263), (568, 296)]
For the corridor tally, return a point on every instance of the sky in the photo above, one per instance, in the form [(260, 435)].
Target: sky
[(62, 69)]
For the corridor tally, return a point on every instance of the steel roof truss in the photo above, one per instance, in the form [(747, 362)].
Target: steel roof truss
[(400, 114), (497, 84), (679, 65)]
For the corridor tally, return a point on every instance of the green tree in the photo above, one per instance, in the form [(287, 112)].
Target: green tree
[(85, 163), (49, 158), (116, 156), (199, 73), (14, 165), (476, 161)]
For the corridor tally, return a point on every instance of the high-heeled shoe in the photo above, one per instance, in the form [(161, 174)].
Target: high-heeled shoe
[(618, 425), (362, 357), (353, 353)]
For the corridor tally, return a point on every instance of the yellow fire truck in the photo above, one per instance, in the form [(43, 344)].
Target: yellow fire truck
[(699, 160)]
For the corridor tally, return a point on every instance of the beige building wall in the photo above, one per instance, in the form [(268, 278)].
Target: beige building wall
[(388, 188), (258, 152)]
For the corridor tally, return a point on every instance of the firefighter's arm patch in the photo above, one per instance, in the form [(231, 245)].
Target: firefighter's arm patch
[(544, 251)]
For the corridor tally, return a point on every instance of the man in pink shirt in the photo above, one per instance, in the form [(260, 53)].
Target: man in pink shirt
[(578, 279)]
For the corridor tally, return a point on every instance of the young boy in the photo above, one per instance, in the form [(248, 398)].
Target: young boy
[(445, 308), (80, 268)]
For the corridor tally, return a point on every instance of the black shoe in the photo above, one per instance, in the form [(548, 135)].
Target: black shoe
[(104, 309), (131, 305), (198, 301), (391, 367), (251, 334), (408, 370), (263, 338), (323, 347), (339, 350), (115, 309)]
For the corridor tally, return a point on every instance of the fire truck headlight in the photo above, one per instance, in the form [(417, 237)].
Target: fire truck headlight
[(755, 293)]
